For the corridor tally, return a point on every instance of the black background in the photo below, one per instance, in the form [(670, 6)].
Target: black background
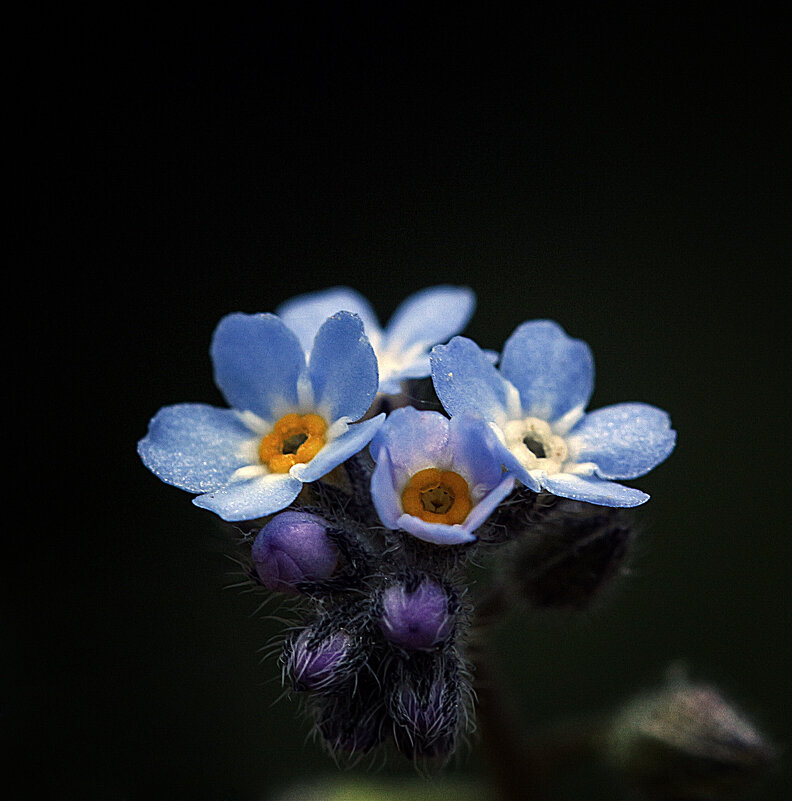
[(624, 174)]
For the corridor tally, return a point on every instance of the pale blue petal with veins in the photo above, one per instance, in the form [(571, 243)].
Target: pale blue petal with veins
[(261, 369), (424, 319), (412, 441), (535, 404)]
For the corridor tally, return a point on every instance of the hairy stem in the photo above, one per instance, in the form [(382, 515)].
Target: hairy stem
[(521, 766), (500, 734)]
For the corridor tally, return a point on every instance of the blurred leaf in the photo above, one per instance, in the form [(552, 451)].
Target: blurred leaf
[(383, 790)]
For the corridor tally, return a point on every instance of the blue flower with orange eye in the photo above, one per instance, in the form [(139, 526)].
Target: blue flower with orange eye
[(535, 405), (425, 318), (435, 478), (290, 421)]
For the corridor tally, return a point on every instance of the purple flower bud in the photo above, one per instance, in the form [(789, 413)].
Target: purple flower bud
[(293, 547), (352, 734), (417, 620), (352, 719), (318, 665), (427, 712)]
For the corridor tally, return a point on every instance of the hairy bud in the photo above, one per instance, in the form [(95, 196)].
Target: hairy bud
[(352, 735), (293, 548), (416, 618), (686, 743), (566, 560), (353, 719), (319, 663), (426, 705)]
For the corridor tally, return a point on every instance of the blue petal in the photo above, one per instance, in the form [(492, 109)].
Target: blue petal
[(343, 368), (482, 510), (438, 533), (466, 381), (474, 446), (257, 362), (429, 316), (419, 367), (514, 466), (392, 384), (413, 440), (385, 496), (305, 314), (553, 372), (256, 497), (593, 490), (195, 446), (624, 441), (353, 440)]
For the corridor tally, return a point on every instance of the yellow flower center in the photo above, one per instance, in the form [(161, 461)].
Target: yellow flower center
[(294, 439), (437, 496)]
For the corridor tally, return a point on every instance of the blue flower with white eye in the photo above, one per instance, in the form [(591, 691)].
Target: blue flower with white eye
[(289, 421), (535, 404), (435, 478), (425, 318)]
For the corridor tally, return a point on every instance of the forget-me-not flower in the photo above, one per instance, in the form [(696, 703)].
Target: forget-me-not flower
[(289, 420), (424, 319), (535, 404), (435, 478)]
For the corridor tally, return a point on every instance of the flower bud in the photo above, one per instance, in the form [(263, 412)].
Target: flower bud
[(292, 548), (318, 663), (352, 735), (416, 619), (686, 743), (565, 561), (352, 719), (426, 708)]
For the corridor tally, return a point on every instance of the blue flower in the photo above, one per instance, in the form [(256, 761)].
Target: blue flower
[(535, 404), (421, 321), (289, 422), (437, 479)]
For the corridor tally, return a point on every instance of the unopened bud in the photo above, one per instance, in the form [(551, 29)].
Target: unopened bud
[(293, 548), (353, 735), (353, 720), (317, 664), (426, 707), (416, 619), (686, 743), (565, 561)]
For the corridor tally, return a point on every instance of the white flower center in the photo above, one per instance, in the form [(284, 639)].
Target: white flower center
[(533, 442)]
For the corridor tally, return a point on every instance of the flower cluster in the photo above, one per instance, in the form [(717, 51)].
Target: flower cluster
[(366, 506)]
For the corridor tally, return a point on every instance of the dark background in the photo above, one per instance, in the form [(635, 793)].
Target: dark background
[(625, 175)]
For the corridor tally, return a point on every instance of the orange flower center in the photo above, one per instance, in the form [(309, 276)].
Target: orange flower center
[(294, 439), (437, 496)]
